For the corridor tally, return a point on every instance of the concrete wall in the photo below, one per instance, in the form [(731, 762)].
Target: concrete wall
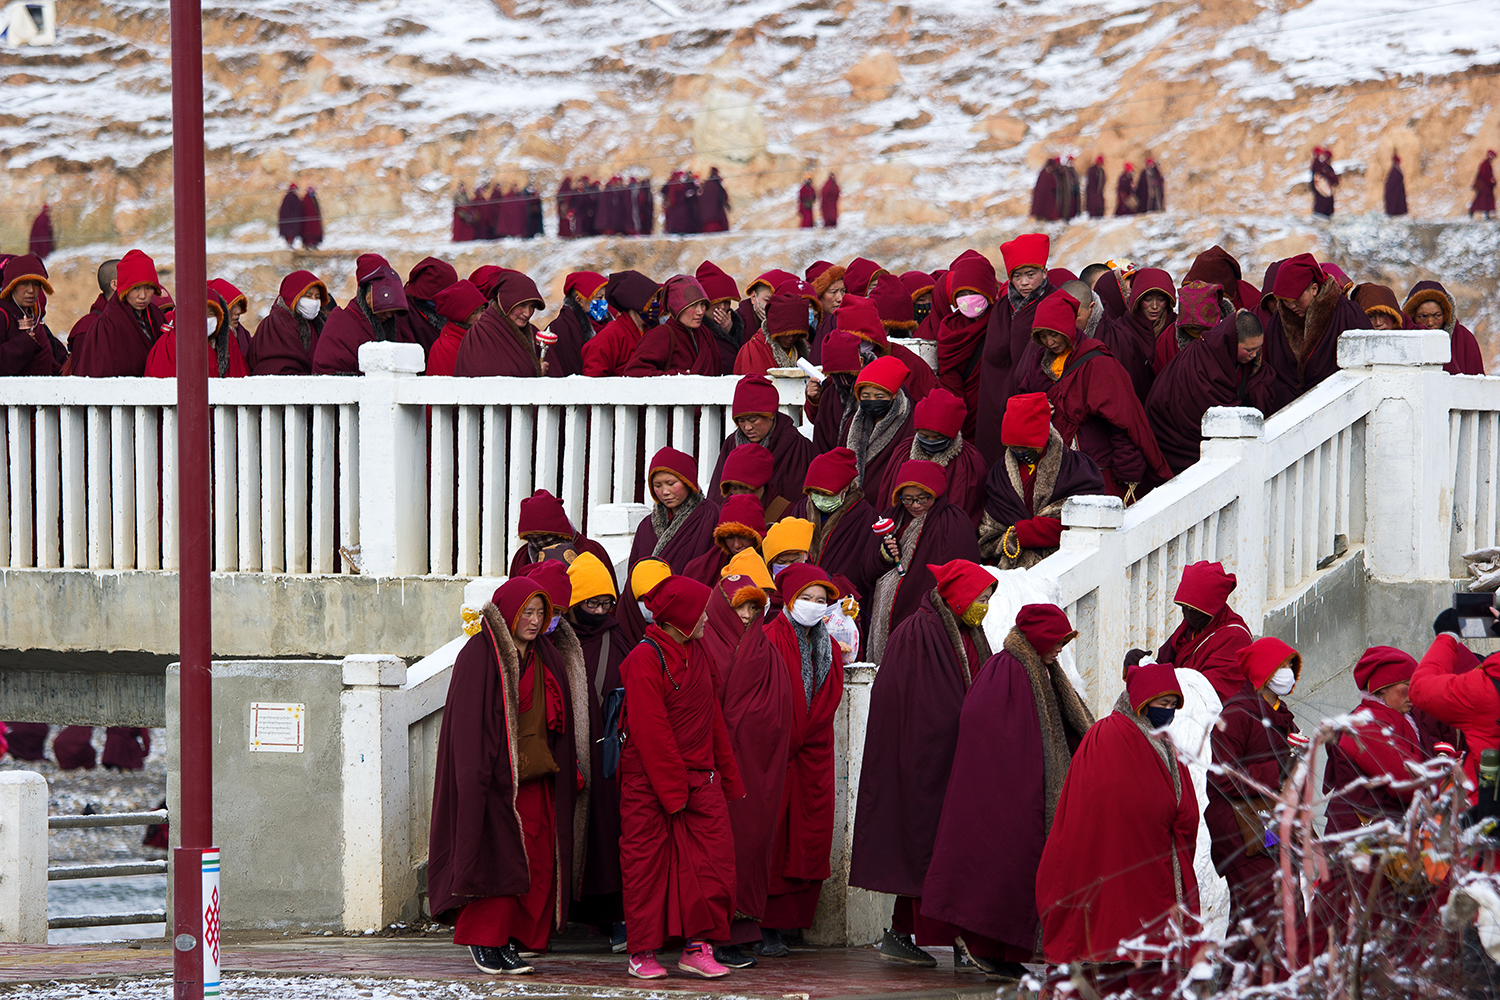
[(277, 816), (256, 614)]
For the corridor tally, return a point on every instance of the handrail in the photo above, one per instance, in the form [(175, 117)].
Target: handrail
[(107, 819), (108, 919), (64, 873)]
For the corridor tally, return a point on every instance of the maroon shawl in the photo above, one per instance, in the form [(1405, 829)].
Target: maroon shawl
[(947, 534), (23, 352), (602, 644), (1299, 368), (118, 341), (966, 470), (789, 450), (277, 348), (493, 346), (349, 326), (842, 542), (673, 349), (1005, 345)]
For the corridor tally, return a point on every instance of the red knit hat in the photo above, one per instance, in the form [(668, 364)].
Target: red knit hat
[(458, 301), (1264, 657), (485, 278), (797, 577), (1045, 627), (741, 515), (831, 472), (960, 582), (860, 317), (1149, 682), (755, 394), (821, 275), (512, 596), (429, 277), (861, 274), (893, 304), (917, 283), (682, 291), (973, 274), (552, 574), (1027, 422), (1205, 587), (887, 373), (1028, 250), (1058, 312), (941, 411), (1382, 666), (772, 279), (227, 292), (1295, 274), (135, 269), (585, 283), (543, 514), (840, 353), (920, 473), (786, 314), (26, 267), (679, 464), (717, 284), (678, 602), (748, 465)]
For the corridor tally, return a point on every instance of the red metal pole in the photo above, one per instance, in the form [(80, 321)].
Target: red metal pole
[(195, 750)]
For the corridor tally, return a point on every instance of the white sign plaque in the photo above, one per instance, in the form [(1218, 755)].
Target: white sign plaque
[(276, 727)]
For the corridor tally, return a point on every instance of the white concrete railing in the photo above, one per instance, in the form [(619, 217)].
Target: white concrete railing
[(1363, 457), (409, 475)]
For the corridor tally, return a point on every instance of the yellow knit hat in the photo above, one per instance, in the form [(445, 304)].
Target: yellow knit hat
[(790, 534), (747, 562), (646, 575), (590, 579)]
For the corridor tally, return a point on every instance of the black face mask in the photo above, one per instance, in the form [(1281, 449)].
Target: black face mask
[(1025, 456), (934, 447), (875, 409), (921, 311), (588, 619), (1160, 717)]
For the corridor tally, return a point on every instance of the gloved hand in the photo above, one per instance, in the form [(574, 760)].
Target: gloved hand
[(1446, 621)]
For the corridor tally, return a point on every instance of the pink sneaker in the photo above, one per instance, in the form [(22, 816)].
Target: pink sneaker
[(643, 965), (698, 958)]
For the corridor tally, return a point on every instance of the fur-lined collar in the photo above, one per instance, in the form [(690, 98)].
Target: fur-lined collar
[(954, 630), (1061, 714), (1303, 332), (870, 437), (943, 457)]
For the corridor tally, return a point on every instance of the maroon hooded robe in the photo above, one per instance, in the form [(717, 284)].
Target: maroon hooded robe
[(604, 647), (28, 740), (312, 220), (1395, 189), (1094, 185), (790, 451), (1005, 347), (74, 748), (842, 541), (945, 535), (493, 345), (36, 351), (289, 216), (126, 747), (42, 243), (1044, 195), (966, 470), (1205, 373), (1132, 338), (673, 349), (118, 341), (1484, 187), (872, 455), (829, 203), (284, 342), (1465, 357), (1298, 370), (1214, 651)]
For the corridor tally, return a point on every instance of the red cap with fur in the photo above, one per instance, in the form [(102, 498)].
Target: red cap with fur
[(1295, 274), (840, 353), (543, 514), (227, 292), (717, 284), (786, 315), (1149, 682), (831, 472), (822, 275), (748, 465), (942, 412), (859, 316), (920, 473), (861, 274), (1028, 250), (678, 602), (1264, 657), (135, 269), (741, 515), (887, 373), (917, 283), (297, 284), (973, 274), (893, 304), (679, 464), (755, 394), (797, 577), (1027, 422), (27, 267), (585, 283), (772, 279), (1382, 666), (1045, 627), (512, 596)]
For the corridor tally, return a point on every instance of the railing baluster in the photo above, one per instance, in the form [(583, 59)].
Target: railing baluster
[(48, 488), (122, 485), (575, 426), (547, 442), (522, 447), (248, 419), (17, 536), (295, 519), (226, 489), (657, 436), (628, 474), (470, 422), (1487, 511), (440, 493), (101, 513), (75, 508), (273, 497), (324, 497), (492, 521), (601, 455), (147, 487), (168, 458), (682, 436), (348, 475)]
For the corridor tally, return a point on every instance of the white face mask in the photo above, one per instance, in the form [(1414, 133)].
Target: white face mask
[(645, 612), (807, 613), (972, 305), (213, 325), (307, 307), (1282, 682)]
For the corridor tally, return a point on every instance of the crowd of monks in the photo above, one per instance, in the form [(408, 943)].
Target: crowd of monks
[(824, 200), (872, 538), (1058, 195)]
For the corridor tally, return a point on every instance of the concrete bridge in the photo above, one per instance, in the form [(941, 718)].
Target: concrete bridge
[(350, 523)]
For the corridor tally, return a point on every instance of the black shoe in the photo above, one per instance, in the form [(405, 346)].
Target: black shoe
[(771, 945), (1006, 972), (617, 939), (734, 957), (499, 961), (965, 959), (900, 948)]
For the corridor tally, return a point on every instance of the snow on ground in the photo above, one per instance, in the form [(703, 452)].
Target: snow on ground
[(250, 987)]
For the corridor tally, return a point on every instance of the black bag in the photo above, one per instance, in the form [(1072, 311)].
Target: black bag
[(612, 743)]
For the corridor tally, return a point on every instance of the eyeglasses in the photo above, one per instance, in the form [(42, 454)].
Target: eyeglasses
[(917, 501), (598, 606)]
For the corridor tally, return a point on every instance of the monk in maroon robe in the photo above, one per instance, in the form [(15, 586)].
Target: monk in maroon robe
[(937, 436), (841, 517), (828, 203), (714, 206), (1200, 308), (41, 242), (683, 344), (1324, 181), (1025, 492), (961, 332), (742, 525), (1008, 336), (126, 747), (1094, 186), (28, 740), (1310, 313), (1020, 724), (503, 341), (119, 340), (544, 526), (1466, 358), (720, 319), (1044, 194), (1094, 406), (27, 346), (1132, 339), (883, 418), (460, 305), (1118, 865), (1484, 187), (74, 749), (1126, 202), (1218, 266), (427, 278), (1224, 368), (289, 216), (804, 831), (930, 663), (784, 340), (755, 691), (583, 298), (1212, 633), (1395, 188), (224, 358), (508, 819), (841, 367), (635, 300), (374, 314), (680, 528), (312, 220), (677, 776), (285, 341), (928, 531), (759, 421), (807, 200), (859, 316)]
